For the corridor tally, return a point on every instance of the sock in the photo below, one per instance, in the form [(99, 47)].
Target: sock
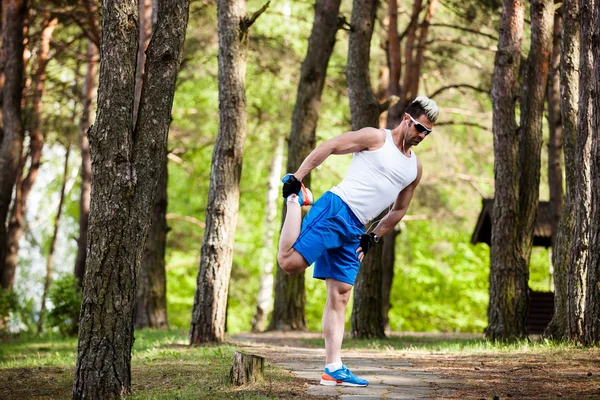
[(334, 366), (293, 198)]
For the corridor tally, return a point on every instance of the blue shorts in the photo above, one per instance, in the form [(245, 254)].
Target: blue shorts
[(329, 238)]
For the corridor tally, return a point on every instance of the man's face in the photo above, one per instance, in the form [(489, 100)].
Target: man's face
[(417, 129)]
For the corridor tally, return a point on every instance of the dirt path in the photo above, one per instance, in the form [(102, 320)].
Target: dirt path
[(389, 376)]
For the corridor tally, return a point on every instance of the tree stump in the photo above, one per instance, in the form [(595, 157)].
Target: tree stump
[(246, 368)]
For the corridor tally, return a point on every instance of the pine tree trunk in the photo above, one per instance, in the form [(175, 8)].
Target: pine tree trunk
[(366, 319), (265, 290), (412, 90), (592, 306), (530, 144), (50, 260), (508, 285), (151, 299), (86, 162), (36, 144), (555, 140), (145, 33), (210, 300), (126, 164), (14, 12), (290, 300), (388, 258), (577, 274), (569, 84)]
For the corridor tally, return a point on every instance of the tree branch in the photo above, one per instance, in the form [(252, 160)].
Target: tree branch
[(465, 123), (462, 28), (461, 85), (389, 103), (247, 22)]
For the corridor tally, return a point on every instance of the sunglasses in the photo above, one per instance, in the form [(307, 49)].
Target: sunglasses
[(420, 127)]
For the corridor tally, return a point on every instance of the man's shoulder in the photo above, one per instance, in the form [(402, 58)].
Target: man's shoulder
[(374, 138)]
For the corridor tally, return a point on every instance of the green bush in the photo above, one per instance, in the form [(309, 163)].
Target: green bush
[(8, 303), (65, 296)]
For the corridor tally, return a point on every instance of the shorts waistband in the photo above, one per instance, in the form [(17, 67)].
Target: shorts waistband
[(355, 219)]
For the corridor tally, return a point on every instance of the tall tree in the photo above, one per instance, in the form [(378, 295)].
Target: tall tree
[(569, 89), (289, 302), (151, 298), (86, 162), (210, 301), (265, 291), (50, 259), (517, 175), (14, 12), (592, 308), (577, 274), (508, 285), (36, 144), (366, 319), (126, 163)]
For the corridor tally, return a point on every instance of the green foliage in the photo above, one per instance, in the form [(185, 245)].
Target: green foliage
[(65, 296), (16, 312), (8, 303)]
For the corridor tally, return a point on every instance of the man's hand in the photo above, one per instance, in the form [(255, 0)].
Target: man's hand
[(366, 242), (291, 185)]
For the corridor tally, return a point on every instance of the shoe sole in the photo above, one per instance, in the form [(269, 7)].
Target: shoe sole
[(335, 383)]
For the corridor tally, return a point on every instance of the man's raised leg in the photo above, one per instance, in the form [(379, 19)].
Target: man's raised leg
[(289, 259)]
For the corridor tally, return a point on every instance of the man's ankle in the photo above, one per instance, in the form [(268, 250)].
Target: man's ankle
[(334, 366)]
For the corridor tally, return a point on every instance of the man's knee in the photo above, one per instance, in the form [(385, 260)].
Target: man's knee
[(291, 262)]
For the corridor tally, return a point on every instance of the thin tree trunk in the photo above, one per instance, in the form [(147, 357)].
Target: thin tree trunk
[(210, 300), (413, 89), (569, 89), (50, 260), (290, 300), (555, 141), (86, 163), (592, 308), (151, 307), (577, 274), (145, 33), (530, 144), (125, 170), (265, 290), (366, 319), (387, 278), (409, 53), (508, 286), (14, 12), (36, 144), (394, 54)]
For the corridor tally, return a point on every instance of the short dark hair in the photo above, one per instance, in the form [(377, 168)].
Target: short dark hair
[(423, 105)]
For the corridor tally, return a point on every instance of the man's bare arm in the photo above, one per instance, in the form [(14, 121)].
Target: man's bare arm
[(349, 142)]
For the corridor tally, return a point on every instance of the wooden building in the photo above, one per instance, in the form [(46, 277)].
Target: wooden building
[(541, 304)]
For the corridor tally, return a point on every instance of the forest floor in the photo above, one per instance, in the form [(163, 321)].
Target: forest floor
[(439, 366), (405, 366)]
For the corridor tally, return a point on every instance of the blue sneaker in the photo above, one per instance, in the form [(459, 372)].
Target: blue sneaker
[(304, 196), (341, 377)]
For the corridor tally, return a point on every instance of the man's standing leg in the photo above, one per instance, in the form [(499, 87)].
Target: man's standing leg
[(334, 318)]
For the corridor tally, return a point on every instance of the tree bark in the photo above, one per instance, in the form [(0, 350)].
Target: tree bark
[(210, 300), (388, 258), (265, 290), (151, 299), (86, 163), (508, 285), (50, 260), (36, 144), (290, 300), (569, 89), (530, 141), (577, 274), (145, 33), (14, 12), (592, 307), (126, 164), (247, 368), (366, 319)]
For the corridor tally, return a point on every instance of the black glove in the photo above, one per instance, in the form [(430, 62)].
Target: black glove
[(291, 185), (367, 241)]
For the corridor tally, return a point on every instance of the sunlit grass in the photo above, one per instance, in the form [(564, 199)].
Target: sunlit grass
[(163, 366)]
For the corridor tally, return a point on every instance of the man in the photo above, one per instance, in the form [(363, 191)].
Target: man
[(384, 171)]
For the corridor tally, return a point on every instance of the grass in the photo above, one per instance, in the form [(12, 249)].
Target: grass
[(163, 367), (448, 344)]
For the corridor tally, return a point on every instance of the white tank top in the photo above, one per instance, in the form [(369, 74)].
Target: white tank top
[(375, 178)]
